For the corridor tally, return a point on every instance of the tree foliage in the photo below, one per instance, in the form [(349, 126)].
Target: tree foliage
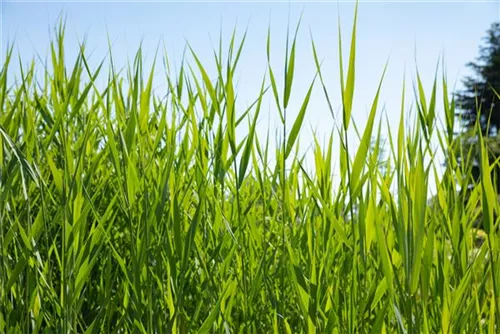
[(479, 99)]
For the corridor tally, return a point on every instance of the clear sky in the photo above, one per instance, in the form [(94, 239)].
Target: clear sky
[(407, 33)]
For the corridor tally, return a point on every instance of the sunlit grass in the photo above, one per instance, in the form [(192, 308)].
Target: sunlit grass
[(124, 211)]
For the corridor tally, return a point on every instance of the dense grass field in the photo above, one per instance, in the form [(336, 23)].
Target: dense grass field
[(123, 211)]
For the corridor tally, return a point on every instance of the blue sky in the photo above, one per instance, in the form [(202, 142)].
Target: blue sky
[(405, 33)]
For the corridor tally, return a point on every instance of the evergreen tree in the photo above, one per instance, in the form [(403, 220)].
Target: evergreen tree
[(479, 100)]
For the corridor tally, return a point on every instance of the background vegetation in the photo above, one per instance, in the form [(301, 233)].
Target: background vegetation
[(123, 211)]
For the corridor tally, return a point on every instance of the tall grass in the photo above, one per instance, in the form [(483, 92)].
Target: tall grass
[(124, 211)]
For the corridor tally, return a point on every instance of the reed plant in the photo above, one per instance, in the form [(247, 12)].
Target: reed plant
[(122, 210)]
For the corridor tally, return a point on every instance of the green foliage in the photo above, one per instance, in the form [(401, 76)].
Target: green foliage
[(479, 100), (121, 211), (477, 106)]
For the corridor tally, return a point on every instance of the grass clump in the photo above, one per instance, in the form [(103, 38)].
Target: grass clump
[(124, 211)]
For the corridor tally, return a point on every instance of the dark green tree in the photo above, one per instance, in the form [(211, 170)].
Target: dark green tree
[(479, 100), (479, 103)]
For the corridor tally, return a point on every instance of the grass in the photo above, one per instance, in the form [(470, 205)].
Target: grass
[(124, 211)]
